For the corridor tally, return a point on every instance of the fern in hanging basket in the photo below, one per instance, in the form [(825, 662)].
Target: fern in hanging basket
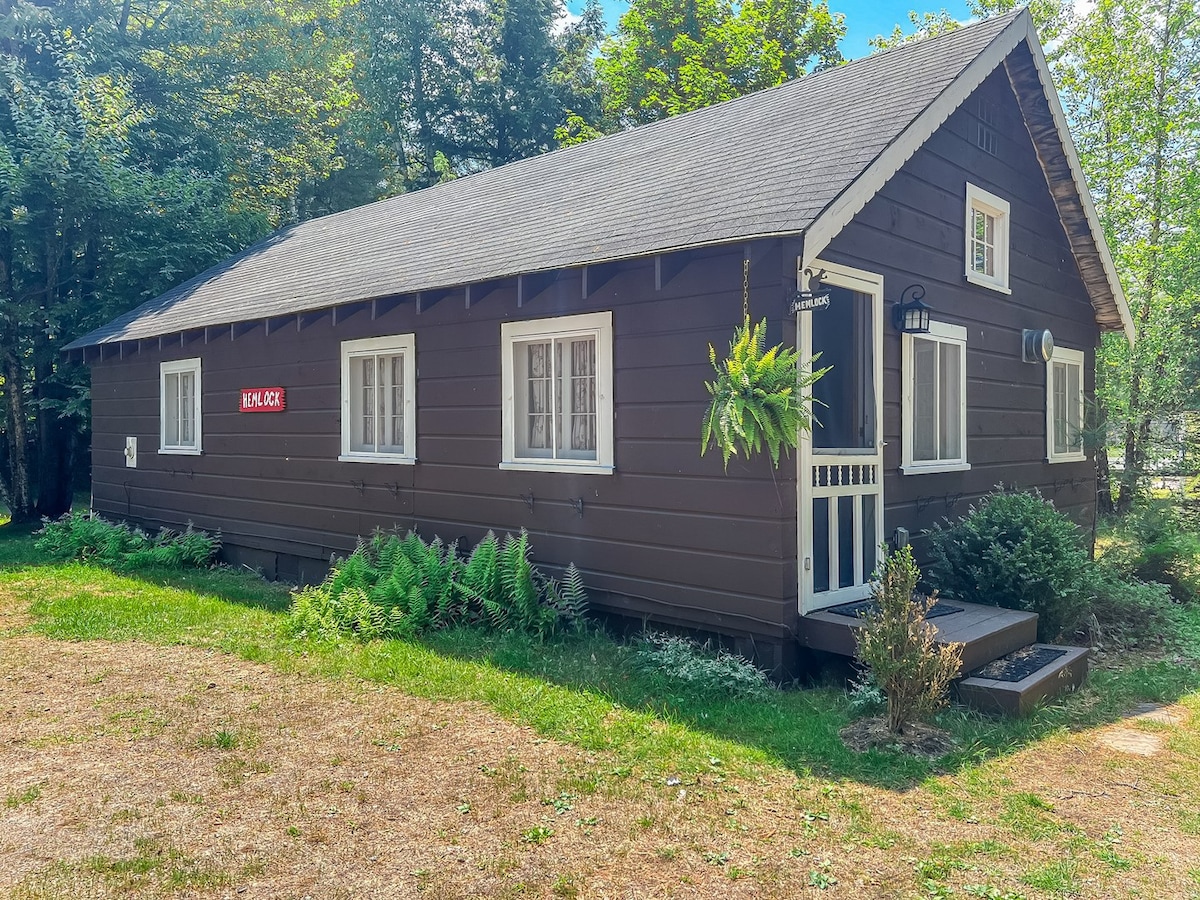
[(758, 398)]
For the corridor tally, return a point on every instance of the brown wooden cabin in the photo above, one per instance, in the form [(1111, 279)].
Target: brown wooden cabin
[(419, 341)]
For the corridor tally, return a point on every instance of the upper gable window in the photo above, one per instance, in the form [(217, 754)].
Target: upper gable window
[(987, 231), (557, 381), (379, 398), (1064, 406), (934, 400), (179, 406), (987, 120)]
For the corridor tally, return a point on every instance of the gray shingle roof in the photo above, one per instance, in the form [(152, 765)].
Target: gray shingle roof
[(765, 164)]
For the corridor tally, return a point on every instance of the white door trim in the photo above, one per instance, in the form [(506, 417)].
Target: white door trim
[(864, 460)]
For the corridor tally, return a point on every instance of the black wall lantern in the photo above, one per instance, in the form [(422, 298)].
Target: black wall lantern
[(911, 317)]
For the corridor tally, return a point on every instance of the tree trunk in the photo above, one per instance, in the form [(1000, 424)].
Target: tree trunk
[(1104, 498), (20, 500), (56, 449)]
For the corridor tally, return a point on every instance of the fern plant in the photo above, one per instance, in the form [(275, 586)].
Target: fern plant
[(758, 397)]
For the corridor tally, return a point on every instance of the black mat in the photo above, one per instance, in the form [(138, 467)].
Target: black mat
[(1019, 664), (860, 608)]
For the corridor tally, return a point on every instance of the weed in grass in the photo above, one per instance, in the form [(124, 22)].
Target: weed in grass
[(733, 873), (939, 865), (645, 823), (990, 892), (565, 886), (883, 840), (936, 889), (223, 739), (716, 859), (293, 831), (666, 853), (1061, 877), (538, 834), (31, 793), (822, 878), (463, 808), (125, 815), (562, 804)]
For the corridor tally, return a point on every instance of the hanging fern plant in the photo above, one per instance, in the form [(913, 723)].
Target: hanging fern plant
[(759, 397)]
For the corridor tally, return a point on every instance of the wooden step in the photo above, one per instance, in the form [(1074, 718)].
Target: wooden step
[(1019, 698), (986, 632)]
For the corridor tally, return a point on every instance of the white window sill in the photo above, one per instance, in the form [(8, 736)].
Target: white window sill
[(557, 465), (992, 283), (180, 451), (388, 459), (932, 468), (1067, 458)]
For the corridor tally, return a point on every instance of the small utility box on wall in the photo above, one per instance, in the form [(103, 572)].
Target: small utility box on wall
[(131, 453)]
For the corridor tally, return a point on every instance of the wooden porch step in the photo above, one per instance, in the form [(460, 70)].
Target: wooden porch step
[(1018, 698), (986, 632)]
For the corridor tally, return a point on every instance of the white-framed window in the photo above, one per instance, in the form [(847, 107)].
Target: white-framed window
[(987, 233), (179, 407), (934, 400), (1064, 406), (379, 400), (557, 391)]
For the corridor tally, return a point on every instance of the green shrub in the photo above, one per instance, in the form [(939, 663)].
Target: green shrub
[(1129, 613), (896, 645), (400, 587), (1152, 543), (684, 664), (1017, 551), (84, 536)]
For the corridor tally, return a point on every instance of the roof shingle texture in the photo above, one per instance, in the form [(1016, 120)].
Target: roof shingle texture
[(764, 164)]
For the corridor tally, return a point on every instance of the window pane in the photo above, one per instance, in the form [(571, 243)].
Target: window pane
[(925, 404), (362, 404), (1059, 393), (1073, 408), (949, 402), (582, 418), (185, 409), (539, 417), (171, 390), (845, 508), (820, 559), (397, 405), (869, 537)]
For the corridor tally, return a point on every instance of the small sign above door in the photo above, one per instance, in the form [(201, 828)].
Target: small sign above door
[(808, 303), (268, 399)]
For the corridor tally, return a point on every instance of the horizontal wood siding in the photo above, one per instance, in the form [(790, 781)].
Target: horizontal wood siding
[(669, 536), (913, 232)]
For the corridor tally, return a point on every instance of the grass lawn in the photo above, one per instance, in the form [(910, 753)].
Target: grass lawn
[(164, 735)]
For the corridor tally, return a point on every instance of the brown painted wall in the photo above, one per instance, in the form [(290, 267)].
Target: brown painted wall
[(912, 232), (669, 535)]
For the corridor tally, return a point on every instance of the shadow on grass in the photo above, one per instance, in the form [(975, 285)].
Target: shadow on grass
[(585, 689)]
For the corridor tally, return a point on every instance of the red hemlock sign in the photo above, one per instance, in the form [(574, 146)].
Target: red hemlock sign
[(269, 399)]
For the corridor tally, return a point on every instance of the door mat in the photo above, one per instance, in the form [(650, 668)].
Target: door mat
[(860, 608), (1019, 664)]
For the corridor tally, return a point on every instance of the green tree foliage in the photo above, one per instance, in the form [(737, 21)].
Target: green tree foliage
[(670, 57), (89, 224), (474, 84), (925, 25)]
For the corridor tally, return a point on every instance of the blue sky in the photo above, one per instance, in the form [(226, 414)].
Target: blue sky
[(864, 18)]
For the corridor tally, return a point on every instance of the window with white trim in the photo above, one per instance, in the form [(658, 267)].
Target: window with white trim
[(1064, 406), (987, 233), (179, 406), (934, 400), (379, 399), (557, 378)]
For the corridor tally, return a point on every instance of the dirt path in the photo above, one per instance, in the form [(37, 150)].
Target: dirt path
[(133, 770)]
